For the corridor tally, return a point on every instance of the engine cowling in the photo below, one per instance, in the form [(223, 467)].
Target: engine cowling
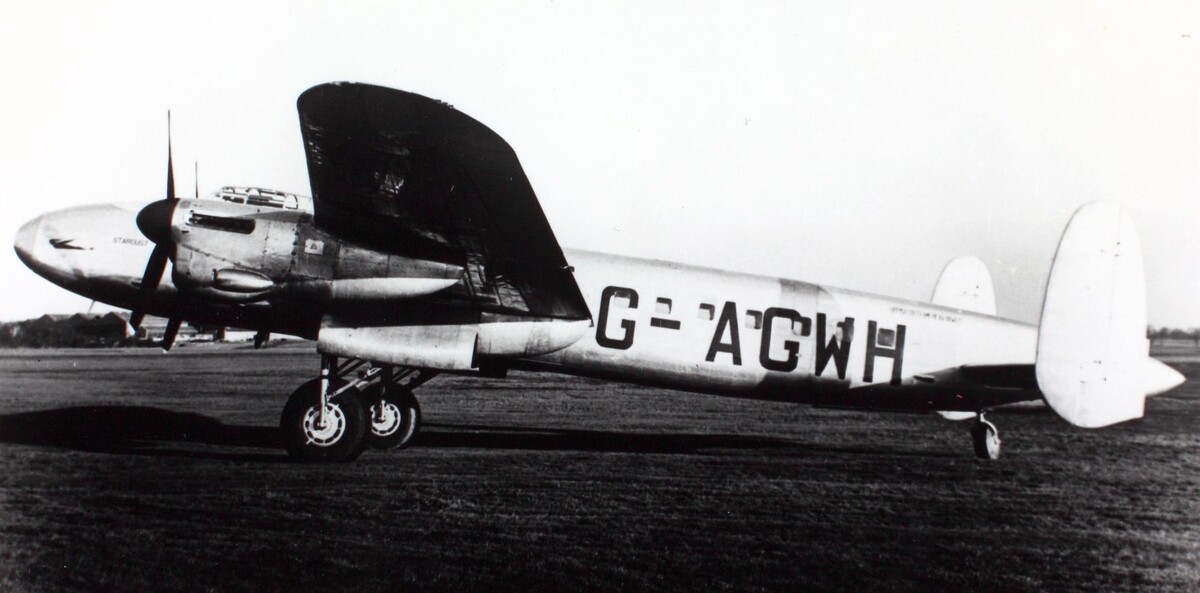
[(236, 253)]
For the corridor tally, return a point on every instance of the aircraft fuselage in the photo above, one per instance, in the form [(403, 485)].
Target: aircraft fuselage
[(753, 336), (654, 322)]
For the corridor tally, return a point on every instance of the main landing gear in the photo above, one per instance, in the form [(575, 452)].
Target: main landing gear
[(986, 438), (331, 419)]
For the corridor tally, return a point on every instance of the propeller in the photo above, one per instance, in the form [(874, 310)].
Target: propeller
[(155, 223), (172, 331)]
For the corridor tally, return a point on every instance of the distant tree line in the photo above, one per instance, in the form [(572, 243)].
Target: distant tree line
[(100, 330), (65, 331), (1163, 334)]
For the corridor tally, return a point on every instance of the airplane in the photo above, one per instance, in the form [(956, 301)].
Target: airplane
[(424, 250)]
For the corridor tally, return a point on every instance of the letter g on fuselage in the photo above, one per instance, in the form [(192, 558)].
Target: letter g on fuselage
[(606, 298)]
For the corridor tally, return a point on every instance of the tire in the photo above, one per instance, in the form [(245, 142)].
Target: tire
[(397, 423), (343, 438), (986, 439)]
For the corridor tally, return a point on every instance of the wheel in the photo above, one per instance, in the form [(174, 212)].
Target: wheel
[(340, 440), (394, 418), (986, 438)]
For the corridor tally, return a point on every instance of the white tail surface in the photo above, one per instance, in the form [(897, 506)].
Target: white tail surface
[(1092, 339), (965, 284)]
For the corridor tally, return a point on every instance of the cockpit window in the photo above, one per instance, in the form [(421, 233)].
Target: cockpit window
[(263, 198), (244, 226)]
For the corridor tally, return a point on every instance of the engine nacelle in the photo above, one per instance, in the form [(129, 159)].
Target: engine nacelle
[(456, 347), (230, 252)]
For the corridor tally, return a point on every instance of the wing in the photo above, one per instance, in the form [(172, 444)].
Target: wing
[(409, 175)]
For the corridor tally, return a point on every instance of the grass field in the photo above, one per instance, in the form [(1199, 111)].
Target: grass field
[(136, 471)]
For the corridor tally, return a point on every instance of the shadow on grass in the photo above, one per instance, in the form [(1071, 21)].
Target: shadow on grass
[(138, 430), (466, 436)]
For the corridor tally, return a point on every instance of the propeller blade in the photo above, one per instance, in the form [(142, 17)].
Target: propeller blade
[(172, 331), (196, 176), (155, 222), (170, 165), (155, 267)]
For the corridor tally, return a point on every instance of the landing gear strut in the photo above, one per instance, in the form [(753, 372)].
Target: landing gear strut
[(331, 419), (986, 438)]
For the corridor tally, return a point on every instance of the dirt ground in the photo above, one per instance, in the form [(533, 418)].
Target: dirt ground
[(135, 471)]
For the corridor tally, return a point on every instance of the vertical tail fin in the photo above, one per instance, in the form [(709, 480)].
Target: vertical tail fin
[(1092, 340), (965, 284)]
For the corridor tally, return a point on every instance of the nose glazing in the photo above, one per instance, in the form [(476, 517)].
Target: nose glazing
[(26, 240)]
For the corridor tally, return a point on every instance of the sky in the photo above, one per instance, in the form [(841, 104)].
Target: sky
[(856, 144)]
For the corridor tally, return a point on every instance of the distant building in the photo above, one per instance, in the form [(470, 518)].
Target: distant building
[(80, 330), (153, 328), (106, 329)]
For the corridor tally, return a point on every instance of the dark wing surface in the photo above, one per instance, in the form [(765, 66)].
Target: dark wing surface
[(412, 176)]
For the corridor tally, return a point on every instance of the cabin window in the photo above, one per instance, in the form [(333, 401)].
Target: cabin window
[(229, 224), (707, 312), (754, 319), (662, 306), (886, 338)]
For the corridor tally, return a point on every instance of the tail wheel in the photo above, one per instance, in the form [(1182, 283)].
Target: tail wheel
[(394, 417), (340, 438), (986, 438)]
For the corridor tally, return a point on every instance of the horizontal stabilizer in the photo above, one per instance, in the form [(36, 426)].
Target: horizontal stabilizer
[(965, 284), (957, 416), (1092, 340)]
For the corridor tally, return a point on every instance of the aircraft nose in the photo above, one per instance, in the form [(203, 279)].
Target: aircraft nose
[(26, 241), (155, 220), (1160, 378)]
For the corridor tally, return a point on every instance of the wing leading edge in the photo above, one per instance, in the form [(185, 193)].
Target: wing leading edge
[(409, 175)]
